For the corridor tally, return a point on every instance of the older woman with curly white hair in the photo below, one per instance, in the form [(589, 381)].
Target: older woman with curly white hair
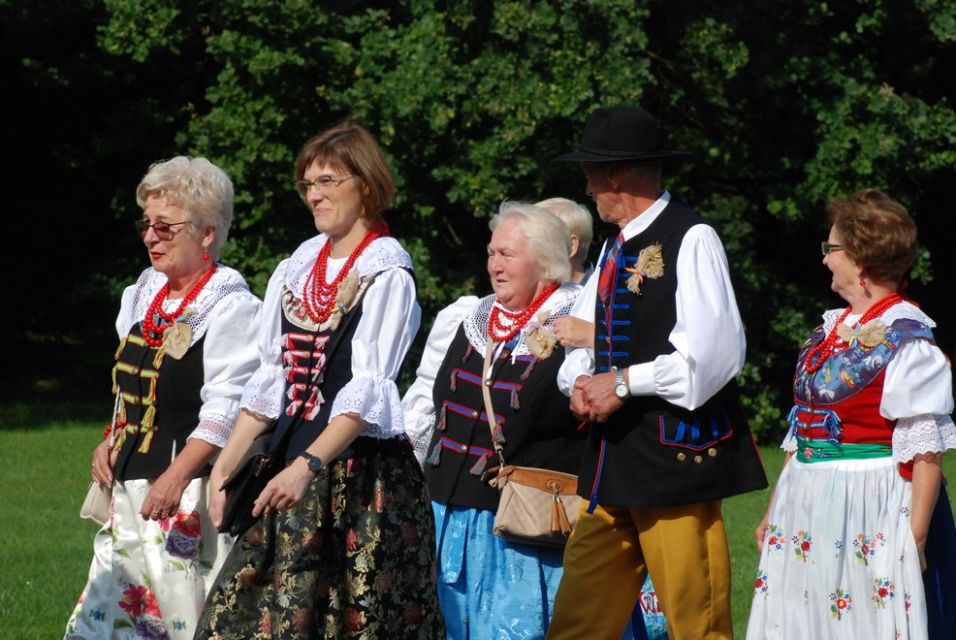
[(187, 346), (490, 587)]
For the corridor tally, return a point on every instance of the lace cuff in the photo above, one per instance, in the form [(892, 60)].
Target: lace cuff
[(926, 433), (262, 395), (213, 431), (376, 401), (789, 443), (419, 427)]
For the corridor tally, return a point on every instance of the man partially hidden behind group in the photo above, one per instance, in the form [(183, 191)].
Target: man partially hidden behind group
[(668, 440)]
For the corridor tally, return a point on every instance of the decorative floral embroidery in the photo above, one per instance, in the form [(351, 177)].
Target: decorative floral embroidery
[(801, 545), (650, 264), (838, 548), (760, 584), (883, 591), (866, 547), (145, 617), (774, 537), (840, 604), (183, 538)]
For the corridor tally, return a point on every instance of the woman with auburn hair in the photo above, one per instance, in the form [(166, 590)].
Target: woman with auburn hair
[(343, 544), (843, 543)]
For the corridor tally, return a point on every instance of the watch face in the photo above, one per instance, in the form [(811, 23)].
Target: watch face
[(621, 391)]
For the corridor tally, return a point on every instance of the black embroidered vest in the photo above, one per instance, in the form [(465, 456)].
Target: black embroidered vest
[(159, 404), (654, 452), (537, 424), (316, 365)]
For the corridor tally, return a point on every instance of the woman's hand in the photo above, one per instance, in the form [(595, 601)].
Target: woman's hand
[(162, 500), (103, 462), (286, 489), (574, 332), (217, 499), (760, 533)]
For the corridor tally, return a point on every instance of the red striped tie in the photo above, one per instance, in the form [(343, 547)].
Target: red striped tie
[(609, 270)]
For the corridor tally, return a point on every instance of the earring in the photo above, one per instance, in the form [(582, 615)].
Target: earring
[(862, 283), (205, 258)]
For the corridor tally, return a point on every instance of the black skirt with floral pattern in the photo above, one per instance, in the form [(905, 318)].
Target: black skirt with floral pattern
[(354, 559)]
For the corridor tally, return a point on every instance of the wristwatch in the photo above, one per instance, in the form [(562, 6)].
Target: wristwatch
[(620, 386), (315, 464)]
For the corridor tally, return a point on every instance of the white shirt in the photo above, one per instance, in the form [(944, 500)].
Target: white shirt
[(390, 319), (708, 336), (227, 315)]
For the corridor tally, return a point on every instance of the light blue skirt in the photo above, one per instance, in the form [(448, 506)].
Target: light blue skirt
[(490, 588)]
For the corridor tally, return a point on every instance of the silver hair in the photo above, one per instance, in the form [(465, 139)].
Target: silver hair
[(578, 220), (547, 236), (203, 191)]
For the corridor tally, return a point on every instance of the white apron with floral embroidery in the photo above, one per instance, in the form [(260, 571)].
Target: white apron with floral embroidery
[(149, 579), (839, 559)]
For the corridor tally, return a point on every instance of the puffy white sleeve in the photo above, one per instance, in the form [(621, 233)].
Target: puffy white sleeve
[(263, 392), (708, 336), (918, 394), (230, 357), (418, 403), (580, 361), (390, 319)]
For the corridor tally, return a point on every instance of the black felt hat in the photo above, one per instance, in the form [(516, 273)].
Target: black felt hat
[(613, 134)]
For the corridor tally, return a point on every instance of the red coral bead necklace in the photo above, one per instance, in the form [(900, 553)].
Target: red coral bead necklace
[(818, 355), (499, 332), (157, 321), (319, 296)]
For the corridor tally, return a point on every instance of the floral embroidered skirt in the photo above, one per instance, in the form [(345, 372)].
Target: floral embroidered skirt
[(839, 559), (353, 559), (148, 579)]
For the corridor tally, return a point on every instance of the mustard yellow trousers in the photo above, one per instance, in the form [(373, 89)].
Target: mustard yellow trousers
[(610, 553)]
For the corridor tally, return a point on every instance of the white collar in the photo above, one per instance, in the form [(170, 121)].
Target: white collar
[(649, 215)]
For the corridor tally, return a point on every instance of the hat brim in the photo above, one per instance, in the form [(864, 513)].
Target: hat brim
[(591, 156)]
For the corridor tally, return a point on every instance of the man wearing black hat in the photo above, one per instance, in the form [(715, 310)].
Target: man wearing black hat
[(668, 440)]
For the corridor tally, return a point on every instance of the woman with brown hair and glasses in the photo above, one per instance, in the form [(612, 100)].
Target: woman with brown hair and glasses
[(843, 543), (187, 333), (344, 545)]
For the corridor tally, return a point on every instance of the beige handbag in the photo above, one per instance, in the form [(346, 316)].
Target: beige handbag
[(535, 506), (98, 502), (96, 506)]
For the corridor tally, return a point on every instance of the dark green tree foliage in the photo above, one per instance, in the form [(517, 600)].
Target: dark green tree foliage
[(784, 104)]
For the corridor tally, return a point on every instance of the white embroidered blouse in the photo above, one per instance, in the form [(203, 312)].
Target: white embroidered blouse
[(390, 319), (917, 389), (473, 313), (227, 314)]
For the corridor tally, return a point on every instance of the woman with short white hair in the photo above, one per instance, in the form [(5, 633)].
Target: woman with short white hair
[(187, 332), (490, 587)]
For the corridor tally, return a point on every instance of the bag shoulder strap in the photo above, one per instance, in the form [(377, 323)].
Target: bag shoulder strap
[(497, 437)]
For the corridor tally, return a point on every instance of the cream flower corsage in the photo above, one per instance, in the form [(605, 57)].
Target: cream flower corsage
[(869, 335), (540, 338), (650, 264), (348, 289)]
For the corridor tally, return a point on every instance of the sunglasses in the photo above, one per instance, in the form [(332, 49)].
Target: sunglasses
[(828, 247), (163, 230)]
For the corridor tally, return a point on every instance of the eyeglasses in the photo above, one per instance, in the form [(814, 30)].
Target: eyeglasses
[(163, 230), (322, 183), (828, 247)]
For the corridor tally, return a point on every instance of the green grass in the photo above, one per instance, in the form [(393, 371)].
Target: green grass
[(46, 548)]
